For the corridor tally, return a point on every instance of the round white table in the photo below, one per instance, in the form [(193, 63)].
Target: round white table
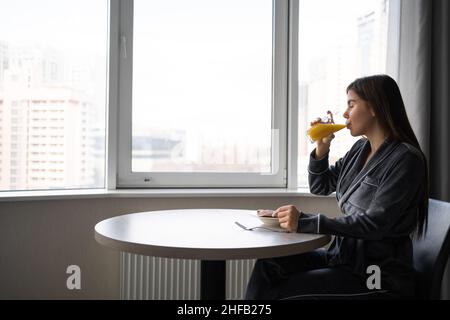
[(209, 235)]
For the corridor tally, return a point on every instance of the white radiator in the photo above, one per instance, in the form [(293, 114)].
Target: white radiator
[(152, 278)]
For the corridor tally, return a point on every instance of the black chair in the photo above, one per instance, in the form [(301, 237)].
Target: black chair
[(432, 252)]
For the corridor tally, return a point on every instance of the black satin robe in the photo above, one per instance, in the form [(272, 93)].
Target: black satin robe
[(379, 203)]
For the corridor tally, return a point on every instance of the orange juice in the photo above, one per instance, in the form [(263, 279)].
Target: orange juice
[(322, 130)]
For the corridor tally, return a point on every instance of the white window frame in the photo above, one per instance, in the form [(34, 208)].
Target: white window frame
[(120, 101)]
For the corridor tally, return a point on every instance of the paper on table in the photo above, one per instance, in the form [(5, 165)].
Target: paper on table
[(265, 213)]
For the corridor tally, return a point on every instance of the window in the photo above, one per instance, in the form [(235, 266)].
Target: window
[(350, 40), (208, 100), (201, 90), (52, 52)]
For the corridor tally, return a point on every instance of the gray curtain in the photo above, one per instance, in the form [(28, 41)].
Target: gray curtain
[(439, 112), (423, 76), (414, 65), (439, 159)]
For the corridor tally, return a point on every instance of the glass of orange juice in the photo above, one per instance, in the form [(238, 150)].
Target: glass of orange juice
[(324, 128)]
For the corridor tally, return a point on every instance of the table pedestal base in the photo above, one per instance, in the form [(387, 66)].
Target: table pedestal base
[(212, 280)]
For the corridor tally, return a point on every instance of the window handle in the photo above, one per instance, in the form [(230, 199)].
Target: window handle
[(124, 46)]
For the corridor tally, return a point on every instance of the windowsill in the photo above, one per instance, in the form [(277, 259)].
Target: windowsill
[(151, 193)]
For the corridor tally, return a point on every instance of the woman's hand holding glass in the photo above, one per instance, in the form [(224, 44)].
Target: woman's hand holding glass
[(322, 145)]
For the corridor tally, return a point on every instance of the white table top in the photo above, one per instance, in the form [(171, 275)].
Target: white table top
[(206, 234)]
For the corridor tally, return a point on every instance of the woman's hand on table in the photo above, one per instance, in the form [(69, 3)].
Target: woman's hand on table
[(288, 217)]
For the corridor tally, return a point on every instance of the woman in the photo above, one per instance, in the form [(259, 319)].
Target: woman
[(381, 186)]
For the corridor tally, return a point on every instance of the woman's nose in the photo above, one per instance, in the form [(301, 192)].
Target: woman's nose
[(346, 116)]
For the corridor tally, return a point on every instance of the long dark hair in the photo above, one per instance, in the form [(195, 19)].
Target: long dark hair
[(383, 95)]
